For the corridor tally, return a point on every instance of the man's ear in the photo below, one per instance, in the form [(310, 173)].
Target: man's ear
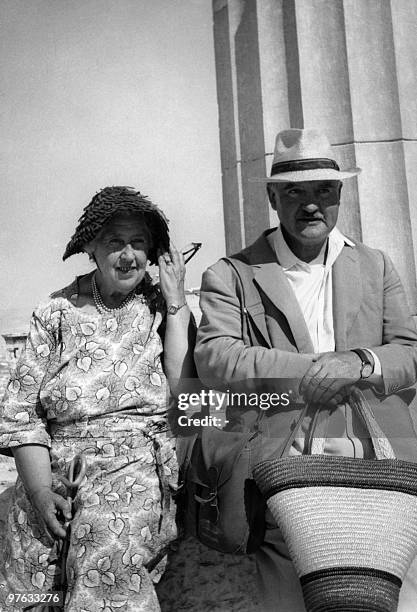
[(340, 188), (272, 196)]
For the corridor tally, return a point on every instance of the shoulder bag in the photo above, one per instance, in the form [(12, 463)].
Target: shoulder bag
[(222, 505)]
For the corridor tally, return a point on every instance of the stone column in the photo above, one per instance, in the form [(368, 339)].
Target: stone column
[(344, 66)]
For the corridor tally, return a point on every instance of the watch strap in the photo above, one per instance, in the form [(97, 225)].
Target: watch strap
[(174, 308), (365, 357)]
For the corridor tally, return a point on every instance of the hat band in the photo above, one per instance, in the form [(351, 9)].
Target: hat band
[(303, 164)]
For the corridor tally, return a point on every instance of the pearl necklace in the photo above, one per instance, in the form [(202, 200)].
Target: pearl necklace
[(98, 300)]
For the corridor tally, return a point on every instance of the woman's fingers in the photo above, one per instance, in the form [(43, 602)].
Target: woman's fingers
[(172, 275), (173, 252), (176, 256), (163, 262), (59, 504), (165, 257), (53, 526), (172, 261), (48, 504), (64, 505)]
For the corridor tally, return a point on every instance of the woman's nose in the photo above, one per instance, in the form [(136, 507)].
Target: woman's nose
[(127, 252)]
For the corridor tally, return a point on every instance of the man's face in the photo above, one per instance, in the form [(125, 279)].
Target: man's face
[(307, 210)]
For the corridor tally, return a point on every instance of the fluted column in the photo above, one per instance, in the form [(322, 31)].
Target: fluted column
[(240, 112), (343, 66)]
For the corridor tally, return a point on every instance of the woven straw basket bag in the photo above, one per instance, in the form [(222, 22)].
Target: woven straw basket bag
[(350, 524)]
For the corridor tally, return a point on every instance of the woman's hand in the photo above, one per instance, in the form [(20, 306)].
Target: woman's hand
[(34, 466), (48, 504), (179, 337), (172, 275)]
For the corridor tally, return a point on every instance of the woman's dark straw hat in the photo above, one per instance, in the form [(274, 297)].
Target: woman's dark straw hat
[(110, 201)]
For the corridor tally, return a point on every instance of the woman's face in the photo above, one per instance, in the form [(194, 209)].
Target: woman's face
[(121, 252)]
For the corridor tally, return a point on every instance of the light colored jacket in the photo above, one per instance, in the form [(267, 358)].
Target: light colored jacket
[(369, 310)]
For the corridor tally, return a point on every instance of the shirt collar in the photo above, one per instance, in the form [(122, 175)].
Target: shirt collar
[(287, 259)]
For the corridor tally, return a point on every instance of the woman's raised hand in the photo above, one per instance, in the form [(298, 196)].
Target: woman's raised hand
[(48, 504), (172, 275)]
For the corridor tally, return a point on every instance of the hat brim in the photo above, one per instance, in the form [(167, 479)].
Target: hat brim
[(318, 174), (96, 216)]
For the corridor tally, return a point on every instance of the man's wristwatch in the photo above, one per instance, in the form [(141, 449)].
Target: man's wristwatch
[(174, 308), (368, 363)]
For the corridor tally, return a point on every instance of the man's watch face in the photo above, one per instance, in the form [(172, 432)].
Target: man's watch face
[(172, 309), (367, 370)]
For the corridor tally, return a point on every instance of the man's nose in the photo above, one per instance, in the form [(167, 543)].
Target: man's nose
[(311, 206)]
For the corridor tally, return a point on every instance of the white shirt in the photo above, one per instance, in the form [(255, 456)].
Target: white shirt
[(313, 288), (312, 285)]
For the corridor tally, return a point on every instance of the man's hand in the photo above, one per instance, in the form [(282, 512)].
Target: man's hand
[(47, 504), (331, 377)]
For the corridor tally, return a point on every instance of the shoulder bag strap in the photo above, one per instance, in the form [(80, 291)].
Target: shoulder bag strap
[(253, 312), (254, 330)]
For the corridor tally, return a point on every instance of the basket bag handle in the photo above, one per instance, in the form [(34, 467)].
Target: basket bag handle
[(358, 402), (380, 443)]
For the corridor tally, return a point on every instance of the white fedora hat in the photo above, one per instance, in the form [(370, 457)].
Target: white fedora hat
[(304, 155)]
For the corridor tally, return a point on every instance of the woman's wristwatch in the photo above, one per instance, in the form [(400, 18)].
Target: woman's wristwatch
[(172, 309), (368, 363)]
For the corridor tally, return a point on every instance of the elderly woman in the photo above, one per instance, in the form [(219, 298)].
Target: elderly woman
[(92, 380)]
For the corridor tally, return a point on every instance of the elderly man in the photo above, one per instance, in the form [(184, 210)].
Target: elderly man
[(335, 313)]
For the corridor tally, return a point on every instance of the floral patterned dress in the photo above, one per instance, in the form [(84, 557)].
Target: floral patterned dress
[(94, 384)]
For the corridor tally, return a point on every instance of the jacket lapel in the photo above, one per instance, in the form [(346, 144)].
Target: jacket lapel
[(270, 278), (347, 291), (347, 294), (273, 282)]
